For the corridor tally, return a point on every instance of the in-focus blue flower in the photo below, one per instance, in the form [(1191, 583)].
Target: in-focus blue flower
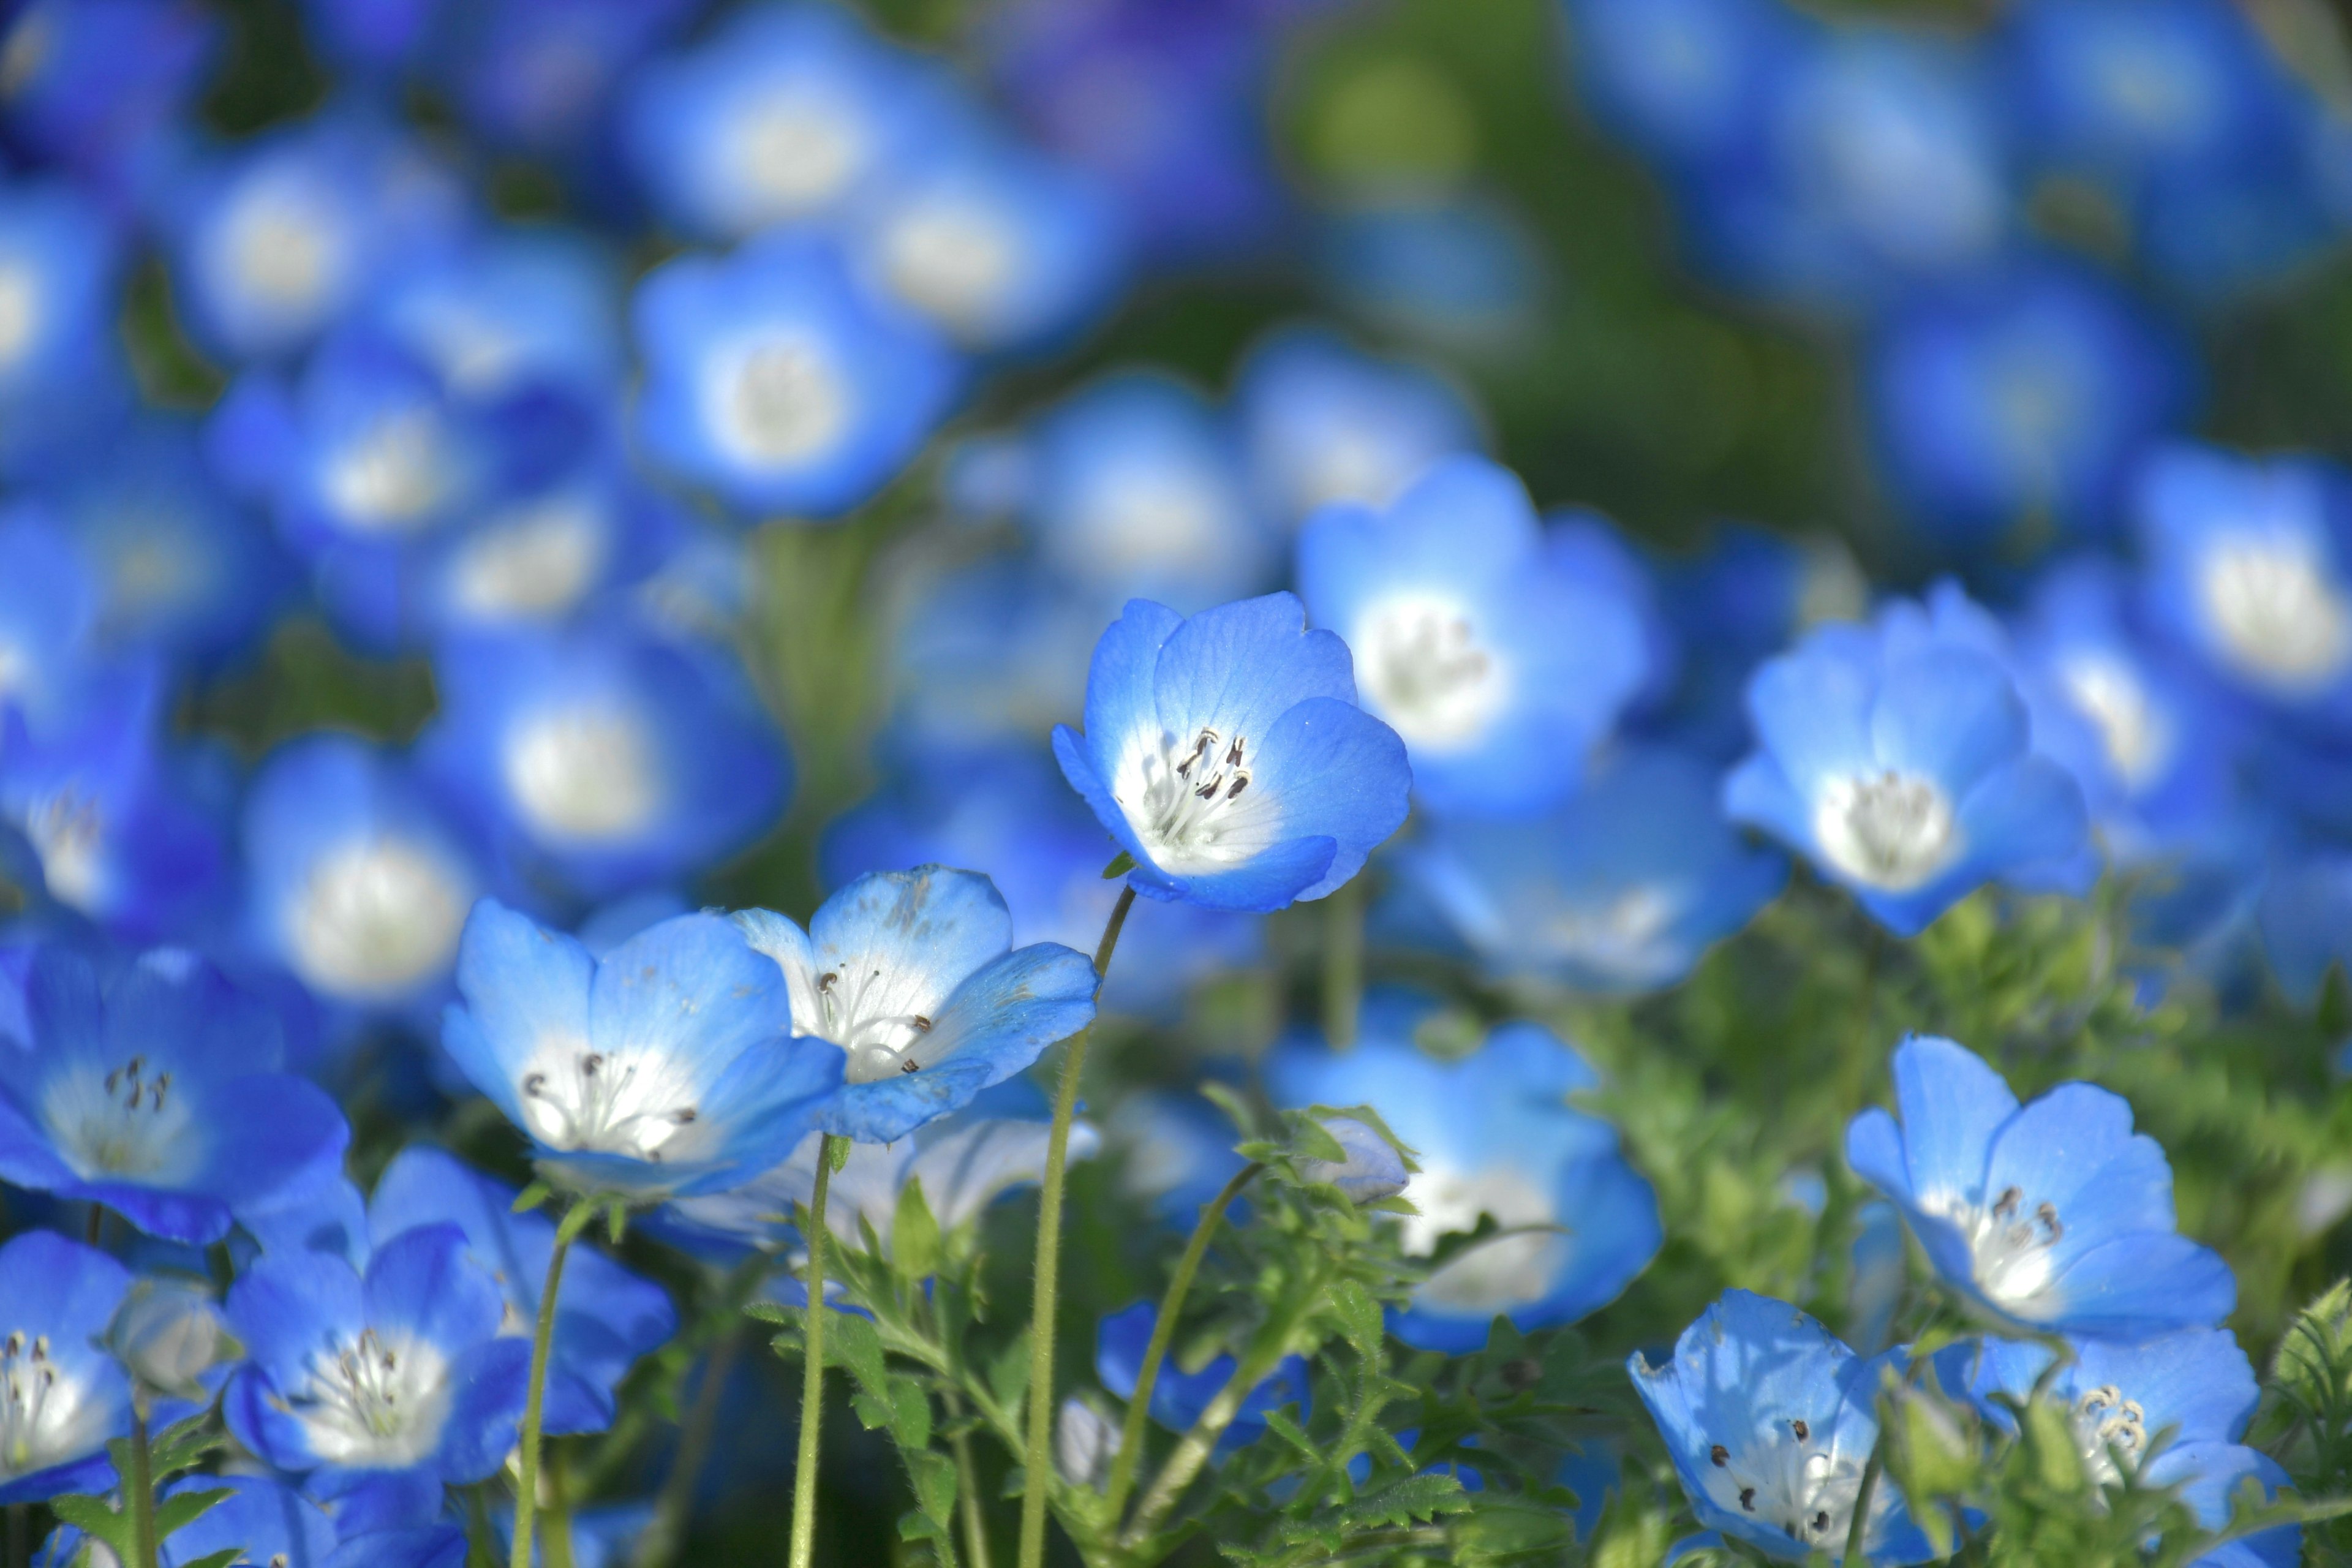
[(1179, 1394), (155, 1091), (1772, 1422), (1225, 753), (1500, 672), (668, 1067), (604, 757), (1321, 422), (605, 1317), (782, 383), (914, 975), (1495, 1137), (1897, 759), (61, 1396), (59, 260), (1620, 890), (2056, 1217), (396, 1377)]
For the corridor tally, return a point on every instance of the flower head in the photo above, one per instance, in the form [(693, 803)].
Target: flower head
[(61, 1396), (1323, 421)]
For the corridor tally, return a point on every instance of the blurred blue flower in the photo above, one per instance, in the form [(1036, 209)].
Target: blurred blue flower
[(548, 555), (1175, 1151), (1181, 1393), (1688, 82), (1771, 1421), (914, 975), (60, 261), (260, 1520), (513, 307), (1227, 755), (780, 382), (89, 83), (1371, 1168), (1621, 889), (2304, 912), (61, 1396), (988, 651), (1501, 671), (54, 674), (541, 76), (155, 1091), (1496, 1139), (1455, 269), (666, 1067), (2054, 1219)]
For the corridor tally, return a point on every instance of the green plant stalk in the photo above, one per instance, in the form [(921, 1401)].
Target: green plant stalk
[(1037, 1452), (975, 1523), (555, 1542), (139, 1487), (535, 1401), (804, 1549), (1343, 962), (1138, 1405), (20, 1534)]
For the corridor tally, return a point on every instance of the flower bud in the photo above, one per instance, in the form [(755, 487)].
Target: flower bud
[(1372, 1170), (1085, 1444), (167, 1333)]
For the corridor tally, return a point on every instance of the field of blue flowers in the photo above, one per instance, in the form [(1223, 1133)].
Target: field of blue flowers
[(1259, 782)]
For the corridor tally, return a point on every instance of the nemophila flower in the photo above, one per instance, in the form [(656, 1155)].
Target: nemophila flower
[(1369, 1169), (994, 647), (59, 260), (603, 757), (2055, 1217), (2016, 401), (54, 672), (154, 1092), (1688, 82), (1225, 753), (2248, 564), (61, 1396), (668, 1067), (1898, 760), (541, 76), (1500, 672), (784, 114), (396, 1375), (605, 1317), (1174, 1153), (781, 383), (260, 1520), (88, 83), (913, 974), (1621, 889), (1182, 1391), (354, 880), (1457, 269), (1322, 421), (1495, 1139), (513, 307), (1772, 1422), (545, 555)]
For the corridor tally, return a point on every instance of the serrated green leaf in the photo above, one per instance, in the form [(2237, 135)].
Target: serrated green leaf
[(182, 1508), (1008, 1375), (914, 1235), (1361, 1319), (772, 1313), (95, 1518), (934, 1478), (850, 1342), (1310, 1140), (221, 1559), (910, 1415)]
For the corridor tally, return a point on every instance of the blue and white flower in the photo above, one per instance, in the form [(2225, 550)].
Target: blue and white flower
[(260, 1519), (59, 260), (61, 1396), (1322, 421)]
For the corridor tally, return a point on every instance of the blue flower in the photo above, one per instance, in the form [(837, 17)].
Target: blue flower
[(2055, 1218), (1688, 82), (1500, 672), (398, 1375), (538, 76), (1897, 759), (92, 82), (1770, 1421), (781, 383), (61, 1396), (513, 307), (155, 1091), (1621, 888), (59, 260), (1495, 1138), (913, 974), (1175, 1150), (261, 1520), (1179, 1396), (1225, 753), (601, 758), (1456, 269), (605, 1318), (668, 1067), (1322, 421)]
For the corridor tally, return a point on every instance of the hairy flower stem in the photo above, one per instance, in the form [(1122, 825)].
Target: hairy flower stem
[(1037, 1455), (534, 1402), (139, 1490), (812, 1361), (1192, 1450), (1343, 962), (975, 1522), (1163, 1331)]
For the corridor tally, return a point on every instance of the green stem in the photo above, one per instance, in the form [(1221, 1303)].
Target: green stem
[(813, 1364), (1193, 1449), (1343, 962), (1857, 1530), (1037, 1453), (975, 1523), (1163, 1331), (534, 1402), (555, 1546), (139, 1487)]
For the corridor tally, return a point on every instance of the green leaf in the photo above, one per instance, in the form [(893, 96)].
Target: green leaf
[(221, 1559), (914, 1235), (1361, 1319), (96, 1517), (182, 1508), (532, 1197), (934, 1477), (1310, 1140), (1008, 1375), (772, 1313), (616, 1220), (850, 1342), (1120, 866), (911, 1415)]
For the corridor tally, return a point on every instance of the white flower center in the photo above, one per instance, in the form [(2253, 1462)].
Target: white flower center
[(1345, 461), (585, 773), (1426, 672), (795, 152), (1787, 1476), (1617, 933), (1892, 830), (394, 474), (69, 833), (2107, 1424), (20, 311), (953, 260), (374, 1402), (1496, 1275), (781, 401), (150, 566), (281, 248), (1195, 803), (537, 560), (638, 1104), (2132, 730), (2010, 1241), (45, 1419), (2276, 610), (374, 919), (124, 1122)]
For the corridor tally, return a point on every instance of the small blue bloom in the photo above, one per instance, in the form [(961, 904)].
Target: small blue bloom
[(1771, 1421), (605, 1317), (261, 1520), (668, 1067), (155, 1091), (780, 382), (1371, 1169), (913, 974), (399, 1375), (2056, 1217), (59, 262), (90, 83), (1688, 82), (1501, 671), (1621, 888), (1495, 1138), (1180, 1394), (61, 1396), (1459, 270), (1225, 753)]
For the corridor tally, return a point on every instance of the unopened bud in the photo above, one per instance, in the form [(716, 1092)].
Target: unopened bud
[(1372, 1170), (167, 1333)]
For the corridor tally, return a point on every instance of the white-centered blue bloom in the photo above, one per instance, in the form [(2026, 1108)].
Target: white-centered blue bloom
[(668, 1067), (1225, 753), (1689, 82), (1500, 670), (61, 1396), (914, 975), (2055, 1217), (59, 260), (1322, 421), (1771, 1420)]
